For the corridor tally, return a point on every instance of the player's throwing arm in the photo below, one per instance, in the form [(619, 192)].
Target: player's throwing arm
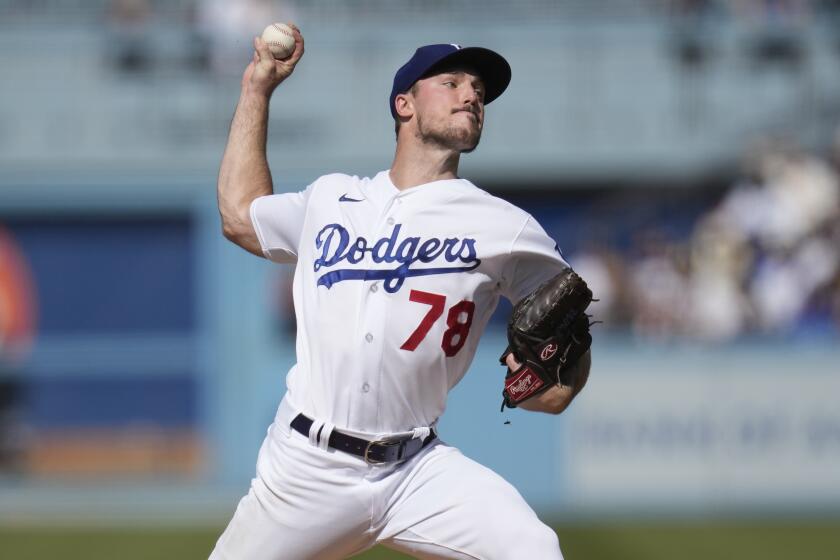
[(244, 173)]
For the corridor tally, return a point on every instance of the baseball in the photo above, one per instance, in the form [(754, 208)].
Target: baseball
[(280, 40)]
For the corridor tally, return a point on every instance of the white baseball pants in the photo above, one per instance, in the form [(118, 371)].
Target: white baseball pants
[(310, 503)]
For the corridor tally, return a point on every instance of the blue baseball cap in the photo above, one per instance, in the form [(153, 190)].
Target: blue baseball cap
[(491, 66)]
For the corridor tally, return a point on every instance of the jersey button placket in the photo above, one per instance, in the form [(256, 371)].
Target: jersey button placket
[(375, 311), (389, 210)]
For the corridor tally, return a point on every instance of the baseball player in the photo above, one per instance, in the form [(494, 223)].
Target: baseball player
[(396, 277)]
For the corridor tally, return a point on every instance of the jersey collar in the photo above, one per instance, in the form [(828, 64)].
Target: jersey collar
[(435, 189)]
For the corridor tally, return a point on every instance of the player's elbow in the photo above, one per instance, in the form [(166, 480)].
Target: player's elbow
[(235, 213), (236, 221), (230, 231), (241, 233)]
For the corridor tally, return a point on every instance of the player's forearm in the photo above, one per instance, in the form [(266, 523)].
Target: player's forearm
[(244, 174), (552, 401)]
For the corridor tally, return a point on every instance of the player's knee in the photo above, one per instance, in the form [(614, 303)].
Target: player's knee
[(545, 542), (532, 541), (549, 541)]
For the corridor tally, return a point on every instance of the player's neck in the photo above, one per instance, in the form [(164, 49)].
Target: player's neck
[(420, 164)]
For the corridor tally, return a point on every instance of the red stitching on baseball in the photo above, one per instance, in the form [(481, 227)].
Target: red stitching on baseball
[(282, 30)]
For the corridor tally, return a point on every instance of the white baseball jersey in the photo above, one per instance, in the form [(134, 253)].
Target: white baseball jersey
[(393, 289)]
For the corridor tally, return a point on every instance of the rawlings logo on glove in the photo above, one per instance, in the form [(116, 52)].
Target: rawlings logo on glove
[(523, 384), (548, 352), (548, 332)]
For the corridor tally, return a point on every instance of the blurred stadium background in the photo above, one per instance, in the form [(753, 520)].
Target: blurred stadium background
[(684, 154)]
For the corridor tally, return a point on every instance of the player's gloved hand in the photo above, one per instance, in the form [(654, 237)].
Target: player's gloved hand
[(264, 73), (548, 334)]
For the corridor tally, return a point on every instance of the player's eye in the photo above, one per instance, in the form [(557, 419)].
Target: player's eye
[(450, 84)]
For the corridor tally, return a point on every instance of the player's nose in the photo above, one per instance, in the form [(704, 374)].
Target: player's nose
[(470, 96)]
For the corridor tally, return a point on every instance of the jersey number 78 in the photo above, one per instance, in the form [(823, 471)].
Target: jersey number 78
[(458, 321)]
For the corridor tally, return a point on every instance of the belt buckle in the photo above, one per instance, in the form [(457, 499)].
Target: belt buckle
[(386, 442)]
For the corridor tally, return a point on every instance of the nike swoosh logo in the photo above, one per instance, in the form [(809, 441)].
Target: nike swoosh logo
[(345, 198)]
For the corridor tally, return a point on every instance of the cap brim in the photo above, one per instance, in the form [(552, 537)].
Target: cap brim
[(494, 70)]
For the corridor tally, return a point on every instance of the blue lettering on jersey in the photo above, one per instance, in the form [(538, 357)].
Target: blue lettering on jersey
[(336, 247)]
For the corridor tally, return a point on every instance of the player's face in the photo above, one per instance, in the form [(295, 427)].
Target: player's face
[(450, 109)]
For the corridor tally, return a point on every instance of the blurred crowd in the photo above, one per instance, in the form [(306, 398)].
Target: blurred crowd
[(215, 33), (764, 260)]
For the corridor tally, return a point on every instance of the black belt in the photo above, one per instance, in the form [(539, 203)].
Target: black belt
[(374, 452)]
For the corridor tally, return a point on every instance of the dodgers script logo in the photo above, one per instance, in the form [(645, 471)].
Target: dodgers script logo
[(336, 248)]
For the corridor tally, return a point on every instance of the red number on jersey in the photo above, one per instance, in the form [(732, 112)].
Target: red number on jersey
[(459, 321), (456, 335), (437, 302)]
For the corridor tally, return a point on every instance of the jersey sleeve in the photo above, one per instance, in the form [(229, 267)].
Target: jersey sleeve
[(278, 222), (534, 258)]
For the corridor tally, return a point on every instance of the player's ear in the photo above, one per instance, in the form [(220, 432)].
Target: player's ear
[(404, 105)]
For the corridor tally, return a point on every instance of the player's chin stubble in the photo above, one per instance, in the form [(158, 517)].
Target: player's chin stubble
[(459, 139)]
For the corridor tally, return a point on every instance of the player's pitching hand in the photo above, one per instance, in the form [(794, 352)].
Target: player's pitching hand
[(264, 72)]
